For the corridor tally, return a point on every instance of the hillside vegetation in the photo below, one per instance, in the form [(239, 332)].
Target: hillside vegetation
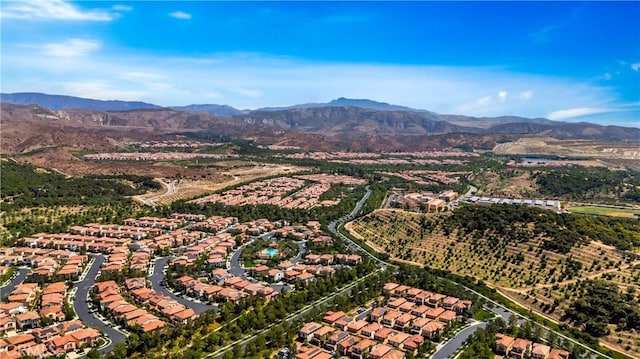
[(561, 265), (507, 246), (24, 186)]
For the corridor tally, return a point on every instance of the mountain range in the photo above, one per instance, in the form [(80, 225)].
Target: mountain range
[(341, 123)]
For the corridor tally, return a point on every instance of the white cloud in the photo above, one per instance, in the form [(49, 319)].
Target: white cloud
[(607, 76), (502, 95), (636, 66), (180, 15), (484, 100), (99, 89), (71, 48), (258, 80), (577, 112), (247, 92), (51, 10), (123, 8), (526, 95)]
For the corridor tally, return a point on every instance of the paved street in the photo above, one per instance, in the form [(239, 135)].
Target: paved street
[(234, 264), (82, 308), (22, 274), (446, 350), (158, 277)]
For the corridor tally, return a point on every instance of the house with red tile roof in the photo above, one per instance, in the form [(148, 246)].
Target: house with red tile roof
[(378, 351)]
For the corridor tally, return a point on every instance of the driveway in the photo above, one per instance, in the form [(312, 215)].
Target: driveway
[(82, 308), (22, 274), (156, 280)]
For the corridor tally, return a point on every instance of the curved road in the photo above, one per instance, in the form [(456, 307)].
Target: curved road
[(22, 274), (446, 350), (156, 280), (82, 308)]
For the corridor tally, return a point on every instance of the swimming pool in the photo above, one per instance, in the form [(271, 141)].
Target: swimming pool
[(271, 252)]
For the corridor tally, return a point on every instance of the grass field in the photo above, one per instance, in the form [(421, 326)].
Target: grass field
[(605, 211)]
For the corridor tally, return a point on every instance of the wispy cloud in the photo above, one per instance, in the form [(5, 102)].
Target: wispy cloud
[(71, 48), (635, 66), (579, 112), (543, 35), (180, 15), (52, 10), (122, 8), (258, 80), (525, 95)]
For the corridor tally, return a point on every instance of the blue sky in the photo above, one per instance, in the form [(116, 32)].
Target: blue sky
[(574, 61)]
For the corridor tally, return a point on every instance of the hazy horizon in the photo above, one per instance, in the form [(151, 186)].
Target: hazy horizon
[(574, 62)]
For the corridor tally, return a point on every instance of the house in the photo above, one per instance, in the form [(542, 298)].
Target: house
[(361, 348), (377, 314), (540, 351), (521, 348), (434, 313), (406, 307), (412, 293), (432, 329), (356, 326), (378, 351), (20, 341), (7, 324), (449, 302), (420, 310), (411, 345), (503, 343), (370, 330), (558, 354), (306, 332), (345, 345), (389, 319), (53, 312), (389, 288), (86, 337), (183, 316), (417, 324), (321, 335), (334, 339), (39, 351), (343, 322), (434, 300), (394, 354), (397, 339), (331, 317), (275, 275), (395, 303), (63, 344), (447, 317), (383, 334), (305, 278), (403, 321), (28, 320)]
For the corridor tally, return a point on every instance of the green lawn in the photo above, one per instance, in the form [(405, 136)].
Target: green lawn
[(483, 315), (604, 211)]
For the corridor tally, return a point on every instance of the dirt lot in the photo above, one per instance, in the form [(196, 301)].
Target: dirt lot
[(599, 150), (187, 189)]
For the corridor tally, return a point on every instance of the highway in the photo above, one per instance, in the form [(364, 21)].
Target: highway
[(81, 306), (333, 228), (21, 275), (156, 283)]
